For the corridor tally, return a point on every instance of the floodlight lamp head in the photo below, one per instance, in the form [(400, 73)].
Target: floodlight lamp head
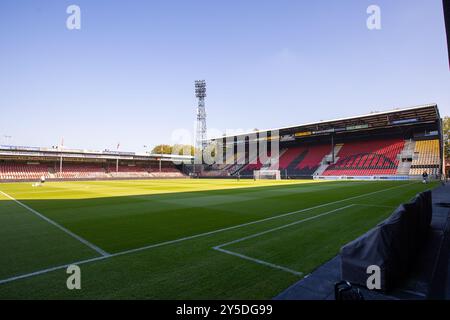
[(200, 88)]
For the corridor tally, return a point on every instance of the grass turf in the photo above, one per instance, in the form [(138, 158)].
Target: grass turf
[(122, 215)]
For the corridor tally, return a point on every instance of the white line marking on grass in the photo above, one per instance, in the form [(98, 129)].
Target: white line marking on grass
[(283, 226), (375, 205), (70, 233), (220, 247), (258, 261), (36, 273), (191, 237)]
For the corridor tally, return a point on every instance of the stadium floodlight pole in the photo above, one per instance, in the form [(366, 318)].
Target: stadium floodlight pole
[(200, 93), (61, 156), (6, 138), (332, 147), (117, 159), (148, 152)]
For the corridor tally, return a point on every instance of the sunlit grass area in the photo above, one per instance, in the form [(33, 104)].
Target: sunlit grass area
[(157, 238)]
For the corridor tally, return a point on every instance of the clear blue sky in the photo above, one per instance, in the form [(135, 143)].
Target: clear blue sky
[(127, 76)]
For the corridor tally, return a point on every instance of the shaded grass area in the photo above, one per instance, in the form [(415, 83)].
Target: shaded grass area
[(29, 243), (124, 215)]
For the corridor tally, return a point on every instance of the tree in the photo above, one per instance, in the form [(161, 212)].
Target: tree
[(183, 149), (179, 149), (162, 149), (446, 133)]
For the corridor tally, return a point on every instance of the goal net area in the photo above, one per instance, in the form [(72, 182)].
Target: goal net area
[(267, 174)]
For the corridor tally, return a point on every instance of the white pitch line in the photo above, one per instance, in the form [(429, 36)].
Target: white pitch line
[(188, 238), (269, 264), (258, 261), (375, 205), (282, 227), (36, 273), (70, 233)]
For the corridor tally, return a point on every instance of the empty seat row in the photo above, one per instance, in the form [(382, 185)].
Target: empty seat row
[(366, 158)]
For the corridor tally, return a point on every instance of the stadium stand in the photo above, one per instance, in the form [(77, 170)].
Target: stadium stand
[(28, 171), (125, 169), (248, 169), (291, 158), (236, 167), (74, 171), (298, 161), (397, 144), (426, 158), (311, 160), (131, 171), (23, 171), (365, 158), (288, 156), (378, 145), (136, 171)]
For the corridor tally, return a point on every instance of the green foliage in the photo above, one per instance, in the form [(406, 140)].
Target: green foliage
[(183, 149), (179, 149), (446, 132), (162, 149)]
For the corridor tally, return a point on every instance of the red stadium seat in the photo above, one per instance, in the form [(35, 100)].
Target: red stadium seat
[(367, 158)]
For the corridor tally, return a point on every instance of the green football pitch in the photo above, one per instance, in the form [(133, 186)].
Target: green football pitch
[(181, 239)]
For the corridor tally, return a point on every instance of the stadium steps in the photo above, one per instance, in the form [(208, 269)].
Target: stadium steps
[(321, 169), (404, 168), (407, 153), (408, 150), (328, 158), (337, 148)]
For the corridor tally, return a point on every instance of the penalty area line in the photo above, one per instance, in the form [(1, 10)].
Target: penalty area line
[(258, 261), (156, 245), (269, 264)]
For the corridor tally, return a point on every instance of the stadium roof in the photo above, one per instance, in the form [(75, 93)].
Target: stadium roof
[(36, 152), (428, 113)]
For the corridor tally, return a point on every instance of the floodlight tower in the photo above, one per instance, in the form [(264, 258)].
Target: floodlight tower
[(200, 93)]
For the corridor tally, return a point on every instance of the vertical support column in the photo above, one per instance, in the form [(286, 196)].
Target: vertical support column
[(332, 147)]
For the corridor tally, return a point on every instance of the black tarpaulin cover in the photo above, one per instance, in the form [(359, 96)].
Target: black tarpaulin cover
[(392, 245)]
